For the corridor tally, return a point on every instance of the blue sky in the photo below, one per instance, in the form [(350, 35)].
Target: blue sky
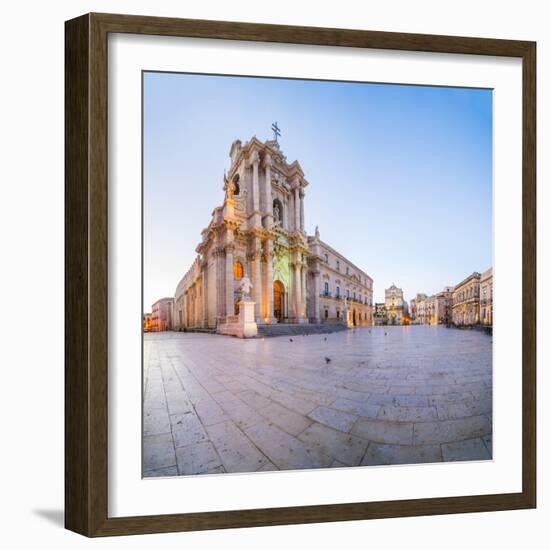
[(400, 176)]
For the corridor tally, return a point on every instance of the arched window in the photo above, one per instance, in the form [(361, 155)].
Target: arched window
[(326, 289), (338, 292), (238, 270)]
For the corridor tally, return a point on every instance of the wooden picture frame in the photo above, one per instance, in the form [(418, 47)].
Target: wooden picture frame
[(86, 280)]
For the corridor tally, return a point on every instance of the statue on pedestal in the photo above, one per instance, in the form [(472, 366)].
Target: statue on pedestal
[(244, 289)]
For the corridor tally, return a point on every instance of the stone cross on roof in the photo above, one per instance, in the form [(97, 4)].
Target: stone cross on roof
[(276, 131)]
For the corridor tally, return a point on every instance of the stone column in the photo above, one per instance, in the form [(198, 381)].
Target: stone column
[(298, 290), (229, 298), (204, 312), (293, 292), (302, 221), (316, 295), (184, 307), (255, 161), (258, 280), (195, 301), (220, 282), (269, 282), (267, 190), (304, 291), (297, 208), (198, 302)]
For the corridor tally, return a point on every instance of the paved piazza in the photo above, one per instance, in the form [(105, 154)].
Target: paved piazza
[(368, 396)]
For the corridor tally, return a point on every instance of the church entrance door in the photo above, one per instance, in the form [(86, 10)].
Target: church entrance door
[(278, 300)]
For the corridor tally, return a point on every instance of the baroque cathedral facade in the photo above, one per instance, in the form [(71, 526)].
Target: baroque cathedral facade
[(259, 232)]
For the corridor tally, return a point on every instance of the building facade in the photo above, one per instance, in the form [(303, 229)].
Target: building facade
[(394, 305), (444, 306), (259, 233), (465, 298), (426, 309), (486, 297), (380, 317), (147, 322), (415, 303), (345, 292), (432, 310), (161, 315)]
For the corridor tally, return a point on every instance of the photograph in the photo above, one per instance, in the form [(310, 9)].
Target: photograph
[(317, 274)]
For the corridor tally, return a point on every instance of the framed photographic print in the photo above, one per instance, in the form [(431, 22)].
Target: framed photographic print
[(300, 275)]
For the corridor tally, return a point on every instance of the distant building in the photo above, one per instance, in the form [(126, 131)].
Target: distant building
[(444, 306), (395, 305), (486, 297), (415, 302), (147, 322), (380, 317), (161, 316), (432, 310), (466, 301)]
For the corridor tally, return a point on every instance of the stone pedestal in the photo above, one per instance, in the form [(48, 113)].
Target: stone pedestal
[(242, 325), (247, 325)]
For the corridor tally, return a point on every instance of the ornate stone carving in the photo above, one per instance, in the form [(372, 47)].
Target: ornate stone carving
[(229, 188)]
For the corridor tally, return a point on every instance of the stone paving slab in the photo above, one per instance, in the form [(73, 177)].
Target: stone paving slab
[(209, 411), (407, 414), (156, 421), (382, 454), (390, 395), (187, 429), (243, 415), (488, 440), (254, 399), (384, 431), (345, 448), (286, 451), (286, 419), (357, 408), (178, 402), (201, 458), (269, 467), (158, 452), (237, 453), (336, 419), (448, 431), (469, 449), (171, 471)]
